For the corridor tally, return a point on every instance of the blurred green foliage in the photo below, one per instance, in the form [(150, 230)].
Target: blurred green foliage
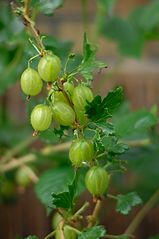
[(130, 34)]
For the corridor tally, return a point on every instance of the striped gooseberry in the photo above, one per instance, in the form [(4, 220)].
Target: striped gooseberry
[(41, 117), (97, 180), (81, 150), (31, 83), (49, 67)]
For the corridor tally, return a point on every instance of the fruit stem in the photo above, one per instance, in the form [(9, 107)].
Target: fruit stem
[(51, 234), (74, 229), (93, 218), (82, 209), (112, 196)]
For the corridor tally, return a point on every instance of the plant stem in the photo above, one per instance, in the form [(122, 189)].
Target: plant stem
[(34, 178), (93, 218), (56, 148), (117, 236), (31, 25), (82, 209), (141, 214), (111, 196), (18, 148), (50, 235), (73, 229), (14, 163), (138, 143), (61, 229)]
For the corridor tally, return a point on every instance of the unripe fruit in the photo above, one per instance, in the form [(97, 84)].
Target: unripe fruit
[(31, 84), (81, 150), (68, 233), (49, 67), (81, 116), (81, 95), (41, 117), (22, 177), (97, 180), (7, 189), (63, 114), (68, 88), (58, 96)]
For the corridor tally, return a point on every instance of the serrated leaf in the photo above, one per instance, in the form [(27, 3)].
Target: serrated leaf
[(106, 127), (113, 100), (126, 202), (53, 180), (66, 199), (95, 232), (56, 180), (96, 111), (99, 110), (89, 62), (112, 146), (98, 142)]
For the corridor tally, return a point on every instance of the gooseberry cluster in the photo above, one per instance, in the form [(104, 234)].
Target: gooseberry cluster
[(65, 105)]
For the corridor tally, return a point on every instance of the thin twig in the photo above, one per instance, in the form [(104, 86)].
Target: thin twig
[(31, 174), (73, 229), (14, 163), (93, 218), (18, 148), (82, 209), (51, 234), (31, 25)]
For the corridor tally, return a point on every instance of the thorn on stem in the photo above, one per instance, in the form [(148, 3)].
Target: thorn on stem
[(28, 97), (35, 133), (49, 86)]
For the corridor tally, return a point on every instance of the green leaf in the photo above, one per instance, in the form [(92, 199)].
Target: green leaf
[(126, 202), (95, 232), (129, 38), (154, 237), (47, 7), (98, 142), (99, 110), (134, 122), (96, 110), (149, 17), (56, 181), (113, 100), (106, 127), (66, 199), (113, 147), (89, 62), (53, 180)]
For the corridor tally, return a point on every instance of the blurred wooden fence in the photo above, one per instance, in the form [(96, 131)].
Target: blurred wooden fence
[(140, 80)]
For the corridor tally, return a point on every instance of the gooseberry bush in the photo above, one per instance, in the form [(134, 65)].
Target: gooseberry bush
[(72, 111)]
